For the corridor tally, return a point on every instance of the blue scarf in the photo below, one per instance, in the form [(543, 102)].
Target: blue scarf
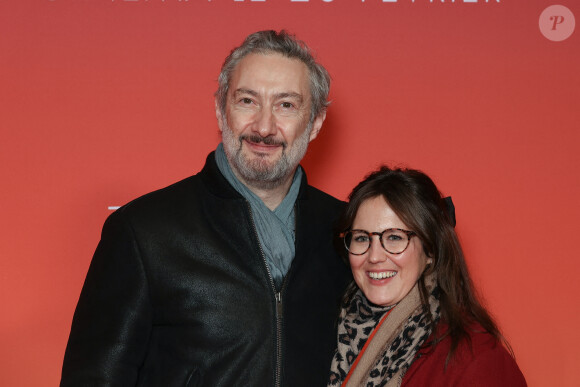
[(275, 229)]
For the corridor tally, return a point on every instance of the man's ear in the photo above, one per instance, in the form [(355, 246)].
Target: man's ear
[(219, 115), (317, 125)]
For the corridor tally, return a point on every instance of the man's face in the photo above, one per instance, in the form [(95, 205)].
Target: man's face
[(266, 129)]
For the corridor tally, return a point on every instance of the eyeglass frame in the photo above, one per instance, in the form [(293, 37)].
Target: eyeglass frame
[(409, 234)]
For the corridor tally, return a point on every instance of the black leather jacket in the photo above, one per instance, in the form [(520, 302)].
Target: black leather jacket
[(178, 294)]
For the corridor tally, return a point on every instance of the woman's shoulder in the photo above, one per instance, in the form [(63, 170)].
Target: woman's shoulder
[(480, 361)]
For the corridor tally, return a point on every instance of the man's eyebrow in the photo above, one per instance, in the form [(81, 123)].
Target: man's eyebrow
[(251, 92), (293, 95)]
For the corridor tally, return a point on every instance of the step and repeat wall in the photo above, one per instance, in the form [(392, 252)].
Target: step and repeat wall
[(102, 101)]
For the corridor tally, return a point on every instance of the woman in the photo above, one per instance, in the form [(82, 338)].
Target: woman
[(411, 317)]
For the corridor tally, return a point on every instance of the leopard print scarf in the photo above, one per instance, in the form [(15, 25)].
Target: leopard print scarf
[(356, 323)]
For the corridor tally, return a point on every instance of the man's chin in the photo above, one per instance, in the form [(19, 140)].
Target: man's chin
[(260, 170)]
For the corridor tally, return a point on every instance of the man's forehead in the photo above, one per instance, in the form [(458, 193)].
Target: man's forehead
[(273, 70)]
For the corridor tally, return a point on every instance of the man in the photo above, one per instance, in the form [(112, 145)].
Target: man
[(227, 278)]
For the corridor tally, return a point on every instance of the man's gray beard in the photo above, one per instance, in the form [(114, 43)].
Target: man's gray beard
[(258, 172)]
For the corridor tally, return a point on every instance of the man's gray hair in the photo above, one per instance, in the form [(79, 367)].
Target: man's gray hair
[(265, 42)]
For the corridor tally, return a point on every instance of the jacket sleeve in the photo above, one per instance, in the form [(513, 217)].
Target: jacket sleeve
[(112, 321)]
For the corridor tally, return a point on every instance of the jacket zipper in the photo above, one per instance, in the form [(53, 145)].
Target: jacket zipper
[(278, 298)]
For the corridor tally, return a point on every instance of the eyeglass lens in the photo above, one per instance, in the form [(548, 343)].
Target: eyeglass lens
[(359, 241)]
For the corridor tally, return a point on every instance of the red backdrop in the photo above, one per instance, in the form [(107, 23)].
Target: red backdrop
[(102, 101)]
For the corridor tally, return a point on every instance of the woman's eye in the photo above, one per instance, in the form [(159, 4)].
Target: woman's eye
[(361, 238), (394, 237)]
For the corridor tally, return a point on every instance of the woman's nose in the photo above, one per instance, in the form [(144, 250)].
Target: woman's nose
[(376, 252)]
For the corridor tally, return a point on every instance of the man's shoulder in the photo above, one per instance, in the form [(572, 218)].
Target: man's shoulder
[(315, 194), (182, 193), (172, 194), (159, 206), (320, 202), (154, 211)]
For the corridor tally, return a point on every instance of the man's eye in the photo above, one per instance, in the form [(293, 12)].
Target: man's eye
[(246, 101), (286, 105)]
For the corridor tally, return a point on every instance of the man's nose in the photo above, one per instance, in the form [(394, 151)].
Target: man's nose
[(265, 122), (376, 252)]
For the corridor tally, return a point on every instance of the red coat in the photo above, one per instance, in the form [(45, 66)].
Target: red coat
[(485, 364)]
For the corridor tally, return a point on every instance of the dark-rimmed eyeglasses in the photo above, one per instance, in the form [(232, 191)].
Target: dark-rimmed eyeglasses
[(393, 240)]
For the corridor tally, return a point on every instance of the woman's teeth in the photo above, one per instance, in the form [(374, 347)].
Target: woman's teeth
[(381, 275)]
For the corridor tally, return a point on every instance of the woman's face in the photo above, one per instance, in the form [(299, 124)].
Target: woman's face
[(385, 278)]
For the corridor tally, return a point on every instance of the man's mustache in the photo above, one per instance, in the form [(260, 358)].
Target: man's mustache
[(259, 139)]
